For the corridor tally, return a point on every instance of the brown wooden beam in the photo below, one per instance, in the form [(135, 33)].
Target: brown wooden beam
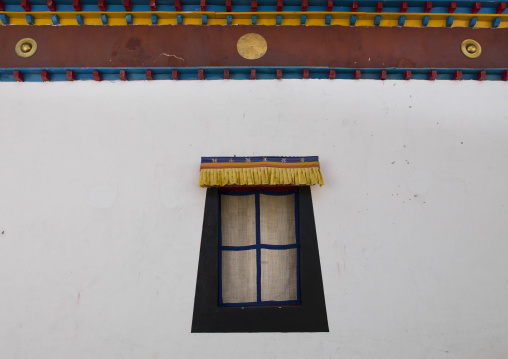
[(195, 46)]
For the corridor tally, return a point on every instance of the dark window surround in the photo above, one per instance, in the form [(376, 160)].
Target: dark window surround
[(309, 316)]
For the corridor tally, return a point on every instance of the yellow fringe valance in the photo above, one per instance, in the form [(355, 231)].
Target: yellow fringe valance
[(214, 177)]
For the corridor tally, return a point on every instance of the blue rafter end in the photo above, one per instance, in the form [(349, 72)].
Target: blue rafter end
[(5, 19), (30, 19), (377, 20), (402, 20), (328, 19), (449, 21), (352, 20)]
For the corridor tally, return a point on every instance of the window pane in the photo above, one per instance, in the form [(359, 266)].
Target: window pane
[(238, 220), (239, 276), (277, 217), (278, 275)]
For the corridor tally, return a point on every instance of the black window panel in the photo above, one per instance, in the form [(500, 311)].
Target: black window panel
[(309, 316)]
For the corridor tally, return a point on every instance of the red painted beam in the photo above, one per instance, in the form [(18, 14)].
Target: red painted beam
[(44, 75), (428, 6), (71, 76), (127, 5), (279, 74), (25, 4), (123, 75), (149, 75), (452, 7), (51, 5), (97, 76), (77, 5), (500, 8), (433, 75), (121, 46), (102, 5), (476, 7), (332, 74), (18, 76)]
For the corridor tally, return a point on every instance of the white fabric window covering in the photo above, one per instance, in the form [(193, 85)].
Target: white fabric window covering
[(239, 276), (277, 219), (277, 277), (238, 220)]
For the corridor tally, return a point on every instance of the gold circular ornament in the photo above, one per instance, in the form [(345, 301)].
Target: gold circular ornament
[(26, 47), (471, 48), (252, 46)]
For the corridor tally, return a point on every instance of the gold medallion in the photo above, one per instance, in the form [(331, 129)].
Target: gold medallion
[(252, 46), (26, 47), (471, 48)]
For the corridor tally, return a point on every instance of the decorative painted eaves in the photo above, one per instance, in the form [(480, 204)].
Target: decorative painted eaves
[(177, 40)]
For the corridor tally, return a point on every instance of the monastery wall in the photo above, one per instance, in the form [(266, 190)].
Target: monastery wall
[(101, 215)]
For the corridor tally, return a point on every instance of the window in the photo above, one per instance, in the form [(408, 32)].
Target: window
[(259, 252), (270, 228)]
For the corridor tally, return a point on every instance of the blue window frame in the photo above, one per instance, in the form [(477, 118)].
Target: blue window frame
[(260, 244)]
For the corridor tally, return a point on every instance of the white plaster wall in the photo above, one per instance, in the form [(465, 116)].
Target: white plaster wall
[(101, 215)]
